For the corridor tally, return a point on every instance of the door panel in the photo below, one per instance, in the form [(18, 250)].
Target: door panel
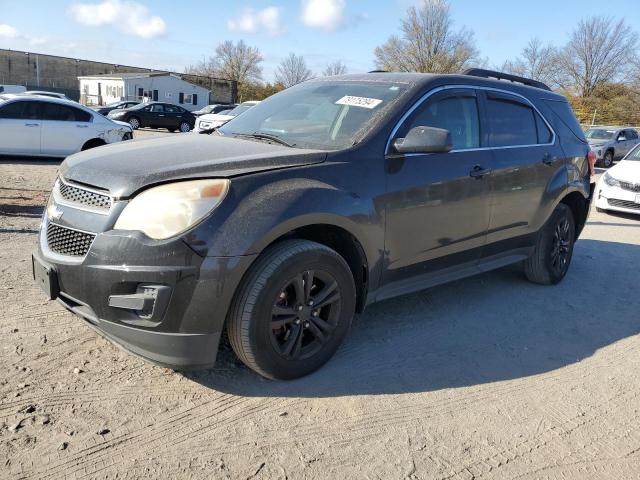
[(20, 128), (64, 129), (525, 161), (437, 212)]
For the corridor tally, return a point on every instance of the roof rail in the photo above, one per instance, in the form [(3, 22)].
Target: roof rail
[(379, 71), (480, 72)]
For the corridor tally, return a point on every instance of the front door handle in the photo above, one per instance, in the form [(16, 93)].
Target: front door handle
[(548, 159), (31, 124), (82, 126), (479, 171)]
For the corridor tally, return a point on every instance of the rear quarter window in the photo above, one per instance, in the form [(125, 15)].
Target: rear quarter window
[(562, 111)]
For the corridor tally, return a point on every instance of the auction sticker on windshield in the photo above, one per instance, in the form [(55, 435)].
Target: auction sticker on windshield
[(363, 102)]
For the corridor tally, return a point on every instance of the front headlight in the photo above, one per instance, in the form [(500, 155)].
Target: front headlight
[(165, 211), (609, 180)]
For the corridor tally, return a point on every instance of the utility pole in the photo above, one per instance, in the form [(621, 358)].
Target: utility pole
[(593, 119)]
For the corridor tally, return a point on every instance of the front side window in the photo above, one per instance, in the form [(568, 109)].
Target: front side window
[(512, 123), (456, 113), (318, 114), (13, 110)]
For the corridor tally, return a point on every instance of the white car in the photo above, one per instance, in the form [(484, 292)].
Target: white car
[(619, 187), (210, 121), (53, 127)]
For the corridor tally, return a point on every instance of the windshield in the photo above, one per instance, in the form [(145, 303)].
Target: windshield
[(319, 114), (239, 109), (634, 156), (599, 134)]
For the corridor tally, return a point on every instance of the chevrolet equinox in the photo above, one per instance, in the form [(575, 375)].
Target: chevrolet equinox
[(333, 194)]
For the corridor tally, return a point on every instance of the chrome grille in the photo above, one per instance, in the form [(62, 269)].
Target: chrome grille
[(614, 202), (66, 241), (82, 197), (633, 187)]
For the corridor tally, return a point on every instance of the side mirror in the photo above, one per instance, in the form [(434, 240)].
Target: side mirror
[(621, 138), (424, 140)]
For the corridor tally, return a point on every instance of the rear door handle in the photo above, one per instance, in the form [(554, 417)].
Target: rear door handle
[(82, 126), (478, 171), (31, 124), (548, 159)]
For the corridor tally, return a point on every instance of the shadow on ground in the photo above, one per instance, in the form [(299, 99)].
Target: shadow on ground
[(488, 328)]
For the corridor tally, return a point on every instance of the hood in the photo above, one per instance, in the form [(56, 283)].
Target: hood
[(126, 167), (215, 117), (627, 170), (121, 123)]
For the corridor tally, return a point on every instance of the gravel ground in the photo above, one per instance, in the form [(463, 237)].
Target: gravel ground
[(488, 377)]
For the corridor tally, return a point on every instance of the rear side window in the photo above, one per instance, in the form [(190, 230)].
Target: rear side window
[(64, 113), (458, 114), (544, 134), (512, 123), (562, 110)]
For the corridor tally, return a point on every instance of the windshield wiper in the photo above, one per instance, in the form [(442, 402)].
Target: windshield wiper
[(265, 136)]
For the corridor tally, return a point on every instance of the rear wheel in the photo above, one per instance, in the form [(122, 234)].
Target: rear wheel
[(134, 122), (551, 257), (293, 310)]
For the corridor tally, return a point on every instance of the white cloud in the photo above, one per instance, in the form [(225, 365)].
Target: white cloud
[(252, 21), (8, 31), (325, 14), (129, 17)]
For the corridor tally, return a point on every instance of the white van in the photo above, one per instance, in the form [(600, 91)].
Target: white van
[(12, 89)]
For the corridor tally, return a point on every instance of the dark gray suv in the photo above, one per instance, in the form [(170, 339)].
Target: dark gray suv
[(326, 197)]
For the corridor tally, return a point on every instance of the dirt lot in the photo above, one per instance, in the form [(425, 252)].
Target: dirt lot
[(489, 377)]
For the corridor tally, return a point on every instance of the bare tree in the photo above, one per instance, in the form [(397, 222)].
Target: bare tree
[(238, 62), (428, 43), (600, 50), (292, 70), (335, 68), (537, 61)]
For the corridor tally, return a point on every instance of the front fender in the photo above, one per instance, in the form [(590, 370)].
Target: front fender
[(258, 210)]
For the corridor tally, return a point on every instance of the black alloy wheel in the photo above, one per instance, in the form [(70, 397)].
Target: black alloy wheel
[(292, 309), (304, 314)]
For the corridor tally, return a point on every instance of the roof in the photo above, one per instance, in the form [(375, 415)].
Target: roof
[(125, 75), (420, 80)]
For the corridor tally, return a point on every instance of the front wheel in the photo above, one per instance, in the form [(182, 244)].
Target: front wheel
[(185, 127), (551, 257), (134, 122), (293, 310), (607, 160)]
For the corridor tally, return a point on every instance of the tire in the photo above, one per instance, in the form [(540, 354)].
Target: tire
[(127, 136), (92, 144), (270, 329), (185, 127), (551, 257), (607, 160), (135, 123)]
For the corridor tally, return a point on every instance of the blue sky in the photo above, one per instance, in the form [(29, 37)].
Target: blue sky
[(171, 35)]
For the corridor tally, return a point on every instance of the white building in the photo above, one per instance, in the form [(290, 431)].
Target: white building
[(143, 87)]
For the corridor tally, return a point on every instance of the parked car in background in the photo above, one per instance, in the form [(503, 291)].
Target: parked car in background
[(217, 108), (12, 89), (44, 93), (611, 143), (324, 198), (115, 106), (156, 115), (206, 123), (619, 187), (53, 127)]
